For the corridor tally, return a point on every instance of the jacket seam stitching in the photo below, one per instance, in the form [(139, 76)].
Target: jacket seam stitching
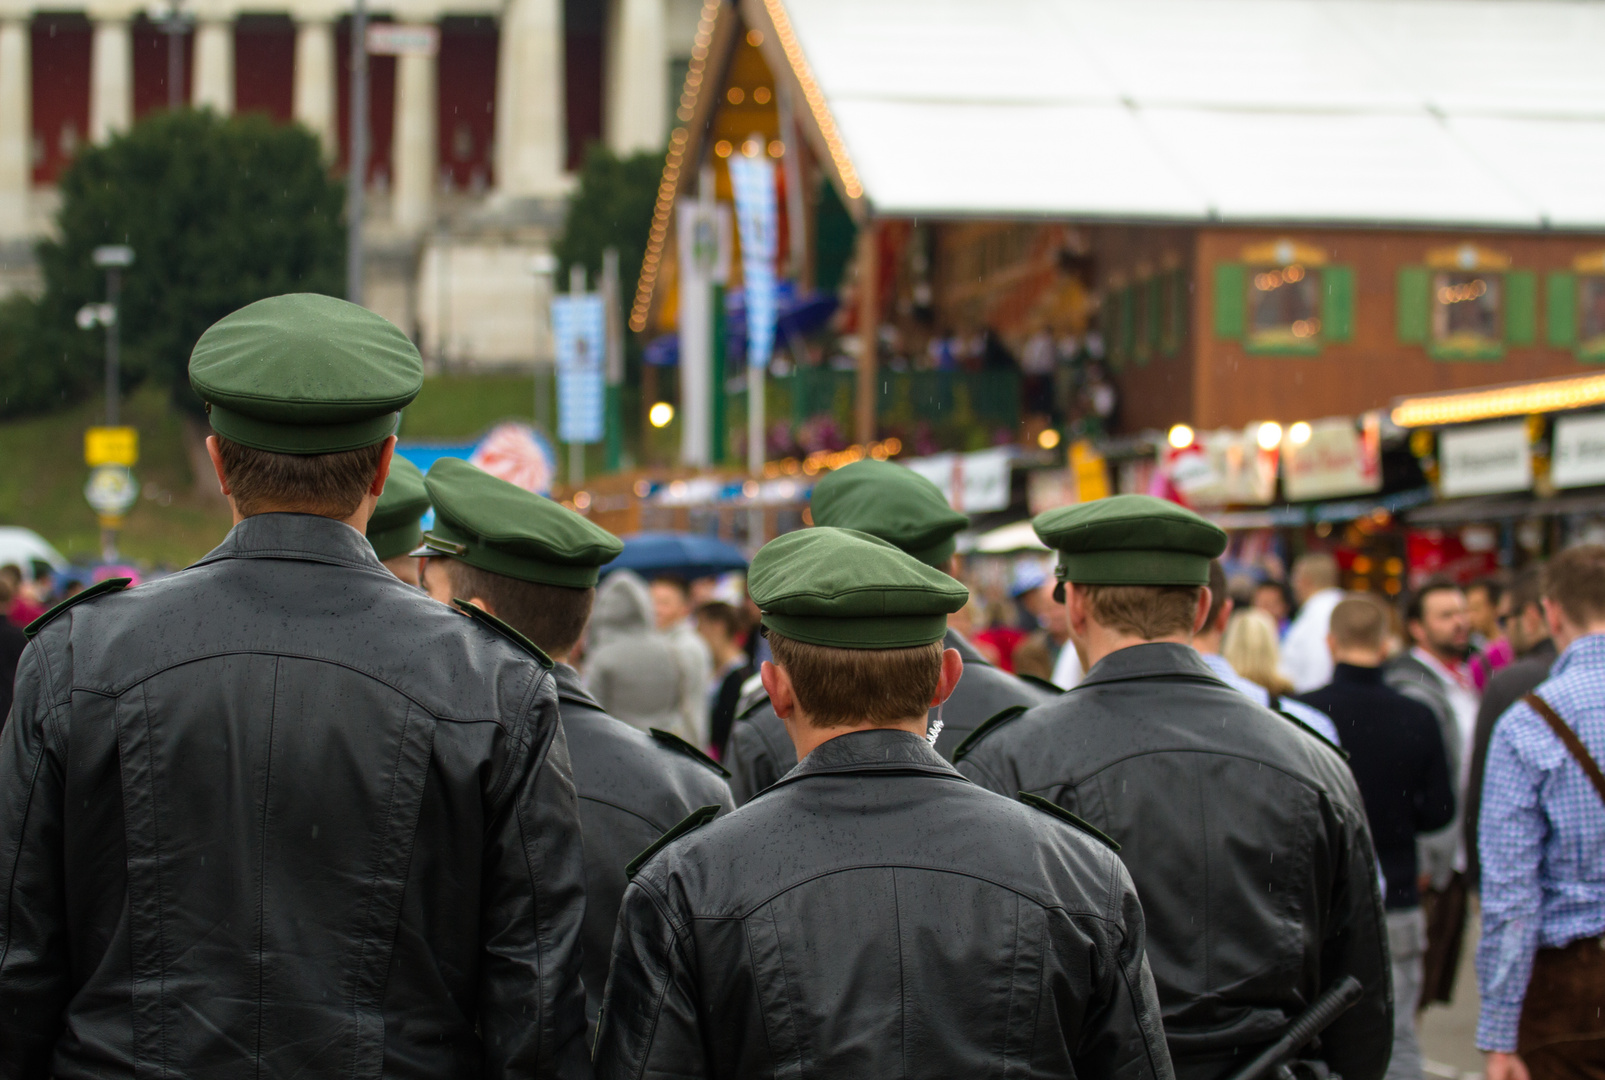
[(104, 691), (11, 876), (623, 810), (156, 872), (663, 991), (1046, 906), (383, 835), (1312, 784), (261, 901)]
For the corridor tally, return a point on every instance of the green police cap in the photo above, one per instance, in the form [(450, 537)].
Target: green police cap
[(850, 590), (305, 374), (500, 527), (393, 530), (892, 502), (1131, 540)]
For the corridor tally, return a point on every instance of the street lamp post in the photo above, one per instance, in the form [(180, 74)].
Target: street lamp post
[(174, 21), (357, 161), (113, 493), (544, 266), (114, 259)]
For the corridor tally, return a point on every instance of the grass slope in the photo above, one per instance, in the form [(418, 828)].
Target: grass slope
[(42, 475)]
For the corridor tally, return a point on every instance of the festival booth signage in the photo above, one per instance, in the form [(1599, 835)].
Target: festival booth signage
[(1221, 467), (1338, 459), (1579, 451), (973, 483), (1485, 460)]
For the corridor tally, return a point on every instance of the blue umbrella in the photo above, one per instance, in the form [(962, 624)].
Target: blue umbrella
[(688, 555)]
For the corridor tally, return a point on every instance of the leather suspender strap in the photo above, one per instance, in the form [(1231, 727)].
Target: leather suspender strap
[(1566, 735)]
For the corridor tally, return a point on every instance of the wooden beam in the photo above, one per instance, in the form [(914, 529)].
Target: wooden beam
[(869, 320)]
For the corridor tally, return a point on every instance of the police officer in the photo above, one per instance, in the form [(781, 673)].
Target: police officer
[(872, 914), (908, 511), (533, 564), (1244, 832), (393, 530), (278, 814)]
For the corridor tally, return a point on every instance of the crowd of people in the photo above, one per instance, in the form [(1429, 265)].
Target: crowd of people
[(351, 797)]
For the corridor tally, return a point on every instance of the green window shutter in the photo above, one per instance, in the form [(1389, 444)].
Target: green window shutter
[(1560, 305), (1337, 303), (1231, 301), (1128, 322), (1114, 340), (1154, 289), (1176, 297), (1412, 314), (1521, 307)]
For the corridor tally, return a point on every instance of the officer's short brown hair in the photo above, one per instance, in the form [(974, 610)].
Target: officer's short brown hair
[(1575, 579), (1359, 622), (856, 686), (328, 484), (1144, 611), (552, 616)]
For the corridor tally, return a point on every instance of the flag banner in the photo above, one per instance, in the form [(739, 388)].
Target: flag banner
[(753, 180), (579, 327)]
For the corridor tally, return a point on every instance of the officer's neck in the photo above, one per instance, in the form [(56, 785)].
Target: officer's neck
[(808, 736), (1101, 641), (358, 520)]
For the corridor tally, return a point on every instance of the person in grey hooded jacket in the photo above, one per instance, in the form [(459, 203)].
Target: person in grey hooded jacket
[(631, 668)]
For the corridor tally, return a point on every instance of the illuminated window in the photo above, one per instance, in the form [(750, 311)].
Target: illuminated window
[(1591, 315), (1284, 307), (1467, 311)]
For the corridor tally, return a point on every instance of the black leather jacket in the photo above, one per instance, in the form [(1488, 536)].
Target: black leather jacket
[(1247, 839), (281, 815), (875, 915), (633, 788), (760, 752)]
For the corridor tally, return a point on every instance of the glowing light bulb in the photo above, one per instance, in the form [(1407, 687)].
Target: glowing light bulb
[(1270, 435), (1181, 436), (1299, 433), (1048, 438), (660, 414)]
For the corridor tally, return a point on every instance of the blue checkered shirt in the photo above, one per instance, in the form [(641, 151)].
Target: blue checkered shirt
[(1541, 837)]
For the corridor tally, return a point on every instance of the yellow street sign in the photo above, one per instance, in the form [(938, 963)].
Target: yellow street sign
[(111, 446)]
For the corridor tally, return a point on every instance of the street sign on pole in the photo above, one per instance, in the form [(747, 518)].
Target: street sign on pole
[(111, 446), (399, 39)]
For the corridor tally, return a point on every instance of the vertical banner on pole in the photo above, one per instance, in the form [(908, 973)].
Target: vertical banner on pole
[(580, 329), (752, 178), (614, 313)]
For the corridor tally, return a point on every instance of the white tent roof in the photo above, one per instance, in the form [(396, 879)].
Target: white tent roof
[(1423, 112)]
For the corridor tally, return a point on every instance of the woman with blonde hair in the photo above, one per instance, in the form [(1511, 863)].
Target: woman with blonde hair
[(1250, 646)]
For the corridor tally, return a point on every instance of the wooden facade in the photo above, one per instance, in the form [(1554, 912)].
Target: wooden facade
[(1175, 307)]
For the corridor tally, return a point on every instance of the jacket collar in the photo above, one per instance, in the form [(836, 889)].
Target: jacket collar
[(883, 750), (1354, 673), (570, 688), (1150, 660), (1587, 651), (296, 536)]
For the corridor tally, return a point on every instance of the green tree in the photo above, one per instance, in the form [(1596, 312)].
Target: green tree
[(611, 208), (219, 212)]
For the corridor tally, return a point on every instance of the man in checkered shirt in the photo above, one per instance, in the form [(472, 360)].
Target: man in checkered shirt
[(1541, 962)]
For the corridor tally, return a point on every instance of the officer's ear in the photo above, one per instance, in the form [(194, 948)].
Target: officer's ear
[(1201, 615), (952, 669), (777, 684), (482, 604)]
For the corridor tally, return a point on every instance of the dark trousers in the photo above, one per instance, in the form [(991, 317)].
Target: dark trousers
[(1562, 1032)]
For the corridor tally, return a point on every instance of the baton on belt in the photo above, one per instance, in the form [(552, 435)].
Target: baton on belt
[(1337, 1000)]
